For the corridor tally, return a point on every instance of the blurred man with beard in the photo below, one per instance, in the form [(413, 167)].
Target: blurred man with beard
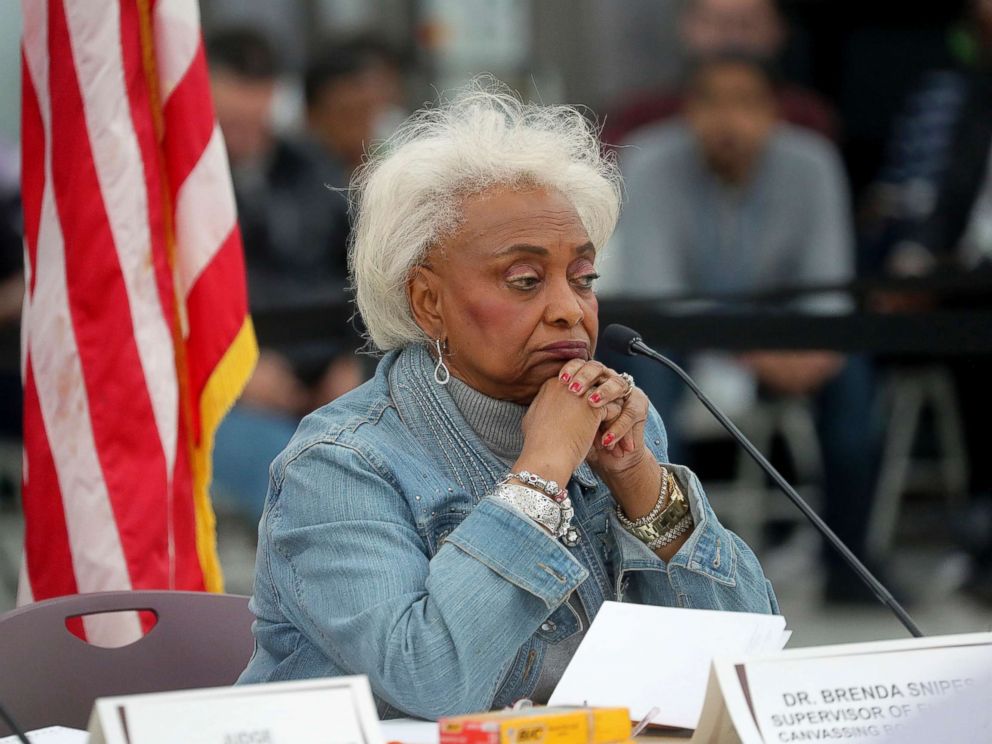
[(728, 199)]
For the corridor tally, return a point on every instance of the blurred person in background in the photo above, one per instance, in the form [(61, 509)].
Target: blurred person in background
[(931, 209), (294, 221), (354, 97), (728, 199), (11, 302), (11, 292), (925, 207), (707, 27)]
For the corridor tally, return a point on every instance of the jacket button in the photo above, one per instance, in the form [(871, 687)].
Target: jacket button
[(548, 626)]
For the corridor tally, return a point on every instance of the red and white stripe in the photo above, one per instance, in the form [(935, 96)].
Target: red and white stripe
[(108, 477)]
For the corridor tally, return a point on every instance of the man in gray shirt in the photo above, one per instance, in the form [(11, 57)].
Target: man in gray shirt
[(727, 199)]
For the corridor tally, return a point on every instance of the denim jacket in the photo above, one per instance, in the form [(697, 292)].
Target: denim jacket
[(380, 553)]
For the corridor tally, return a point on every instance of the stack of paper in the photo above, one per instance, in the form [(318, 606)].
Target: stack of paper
[(646, 657)]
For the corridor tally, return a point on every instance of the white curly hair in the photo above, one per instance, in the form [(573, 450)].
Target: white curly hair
[(407, 195)]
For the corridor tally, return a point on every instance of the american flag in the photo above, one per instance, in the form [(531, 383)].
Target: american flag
[(136, 336)]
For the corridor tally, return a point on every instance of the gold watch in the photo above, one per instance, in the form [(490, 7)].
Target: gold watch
[(678, 507)]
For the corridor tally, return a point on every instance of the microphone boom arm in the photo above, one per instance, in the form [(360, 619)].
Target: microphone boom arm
[(636, 346)]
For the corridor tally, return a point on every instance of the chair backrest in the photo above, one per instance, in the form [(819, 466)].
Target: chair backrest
[(50, 677)]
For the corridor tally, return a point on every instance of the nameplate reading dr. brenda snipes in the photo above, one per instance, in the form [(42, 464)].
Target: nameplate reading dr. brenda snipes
[(874, 697)]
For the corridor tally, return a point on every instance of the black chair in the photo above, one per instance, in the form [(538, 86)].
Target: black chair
[(50, 677)]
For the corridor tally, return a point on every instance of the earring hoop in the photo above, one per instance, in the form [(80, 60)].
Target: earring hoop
[(441, 373)]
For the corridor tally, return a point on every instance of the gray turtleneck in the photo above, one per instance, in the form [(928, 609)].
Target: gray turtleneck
[(498, 423)]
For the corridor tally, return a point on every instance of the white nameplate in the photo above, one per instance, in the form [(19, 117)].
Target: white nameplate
[(907, 691), (338, 710)]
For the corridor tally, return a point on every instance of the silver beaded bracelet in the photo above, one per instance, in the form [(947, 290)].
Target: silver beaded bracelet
[(549, 487)]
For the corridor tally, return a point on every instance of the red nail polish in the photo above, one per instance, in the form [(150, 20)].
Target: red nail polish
[(565, 377), (608, 439), (595, 397), (575, 387)]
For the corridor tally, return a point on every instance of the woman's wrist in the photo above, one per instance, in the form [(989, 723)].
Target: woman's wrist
[(636, 488), (669, 521), (548, 467), (541, 498)]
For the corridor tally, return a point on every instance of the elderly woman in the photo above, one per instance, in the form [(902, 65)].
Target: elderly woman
[(451, 527)]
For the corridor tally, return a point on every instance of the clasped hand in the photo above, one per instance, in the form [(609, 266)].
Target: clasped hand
[(585, 413)]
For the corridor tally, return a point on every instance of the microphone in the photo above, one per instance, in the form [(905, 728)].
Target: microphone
[(627, 341)]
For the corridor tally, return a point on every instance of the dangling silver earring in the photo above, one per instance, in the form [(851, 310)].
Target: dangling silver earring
[(441, 374)]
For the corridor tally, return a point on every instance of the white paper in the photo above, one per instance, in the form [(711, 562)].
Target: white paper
[(897, 696), (410, 731), (52, 735), (641, 656)]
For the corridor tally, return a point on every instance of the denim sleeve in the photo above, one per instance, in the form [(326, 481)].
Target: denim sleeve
[(713, 570), (435, 635)]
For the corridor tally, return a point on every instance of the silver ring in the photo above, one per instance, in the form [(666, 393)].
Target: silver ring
[(629, 379)]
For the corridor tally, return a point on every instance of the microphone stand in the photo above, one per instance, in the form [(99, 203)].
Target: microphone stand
[(15, 730), (637, 346)]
